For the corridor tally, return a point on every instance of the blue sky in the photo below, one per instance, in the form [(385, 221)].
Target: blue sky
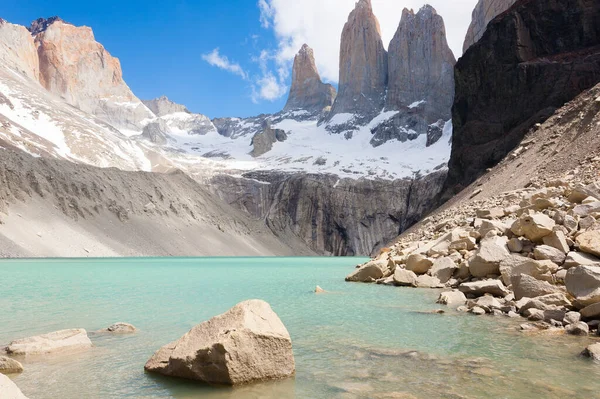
[(161, 43), (225, 57)]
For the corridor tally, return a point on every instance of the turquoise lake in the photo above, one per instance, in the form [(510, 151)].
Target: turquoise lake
[(356, 341)]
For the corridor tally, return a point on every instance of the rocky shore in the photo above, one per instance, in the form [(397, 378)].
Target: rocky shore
[(532, 253)]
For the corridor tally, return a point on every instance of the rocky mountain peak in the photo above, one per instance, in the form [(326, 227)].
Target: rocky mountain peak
[(41, 24), (2, 21), (163, 106), (484, 12), (308, 92), (18, 50), (421, 65), (363, 65)]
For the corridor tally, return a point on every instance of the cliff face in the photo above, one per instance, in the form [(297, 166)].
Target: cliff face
[(484, 12), (77, 68), (18, 51), (530, 61), (421, 65), (163, 106), (308, 92), (332, 216), (363, 65)]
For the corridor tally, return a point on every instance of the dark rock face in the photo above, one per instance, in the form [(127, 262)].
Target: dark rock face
[(531, 60), (484, 12), (435, 132), (263, 141), (308, 92), (41, 24), (403, 126), (333, 216), (157, 132), (363, 65), (421, 65)]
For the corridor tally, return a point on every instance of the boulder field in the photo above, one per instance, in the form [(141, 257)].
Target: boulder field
[(532, 252)]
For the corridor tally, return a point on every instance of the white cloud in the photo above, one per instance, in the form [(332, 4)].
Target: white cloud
[(319, 23), (268, 87), (221, 61)]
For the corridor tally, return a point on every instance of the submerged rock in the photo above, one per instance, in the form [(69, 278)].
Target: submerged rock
[(248, 343), (120, 328), (10, 366), (58, 341), (592, 352)]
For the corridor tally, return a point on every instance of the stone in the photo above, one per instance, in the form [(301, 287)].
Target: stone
[(479, 288), (9, 390), (368, 272), (534, 227), (583, 283), (547, 302), (533, 314), (418, 263), (572, 318), (58, 341), (443, 269), (263, 141), (525, 286), (591, 311), (75, 67), (363, 65), (319, 290), (546, 252), (478, 311), (578, 329), (592, 352), (513, 315), (587, 209), (405, 278), (121, 328), (246, 344), (427, 281), (570, 223), (575, 259), (308, 92), (452, 298), (485, 11), (492, 213), (558, 240), (589, 242), (487, 259), (10, 366), (492, 225), (587, 223), (515, 265), (488, 303), (515, 245)]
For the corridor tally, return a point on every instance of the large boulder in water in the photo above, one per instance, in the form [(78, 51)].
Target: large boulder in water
[(10, 366), (8, 389), (58, 341), (248, 343)]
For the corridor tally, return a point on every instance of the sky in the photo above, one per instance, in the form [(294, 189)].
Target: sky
[(225, 58)]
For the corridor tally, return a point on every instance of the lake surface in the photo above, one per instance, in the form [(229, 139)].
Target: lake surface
[(357, 341)]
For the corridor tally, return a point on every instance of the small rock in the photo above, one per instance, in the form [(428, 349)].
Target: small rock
[(478, 311), (575, 259), (572, 318), (589, 242), (405, 278), (534, 227), (443, 269), (418, 263), (578, 329), (515, 245), (58, 341), (121, 328), (525, 286), (583, 283), (452, 298), (591, 311), (368, 272), (546, 252), (319, 290), (479, 288), (10, 366), (557, 240), (592, 351)]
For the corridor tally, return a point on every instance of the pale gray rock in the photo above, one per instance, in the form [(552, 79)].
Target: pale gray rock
[(157, 132), (589, 242), (515, 265), (583, 283), (452, 298), (477, 311), (592, 311), (18, 50), (246, 344), (592, 352), (405, 278), (580, 328), (525, 286), (121, 328), (443, 269), (546, 252), (533, 226), (515, 245), (368, 272), (488, 258), (58, 341), (308, 93), (10, 366), (575, 259), (9, 390), (572, 318), (418, 263), (163, 106), (558, 240), (427, 281), (263, 142), (479, 288)]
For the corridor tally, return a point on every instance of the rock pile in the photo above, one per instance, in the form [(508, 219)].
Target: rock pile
[(533, 252)]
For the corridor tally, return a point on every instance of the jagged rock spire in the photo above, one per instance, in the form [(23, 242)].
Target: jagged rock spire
[(421, 64), (41, 24), (308, 92), (363, 64)]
